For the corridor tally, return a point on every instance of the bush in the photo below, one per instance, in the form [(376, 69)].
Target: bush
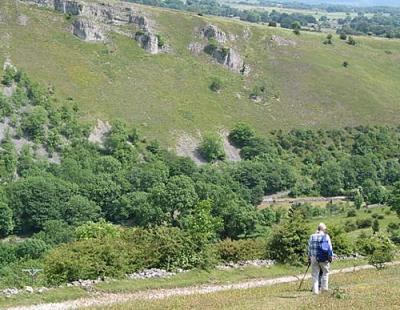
[(364, 223), (377, 248), (168, 248), (350, 226), (240, 250), (31, 248), (289, 241), (211, 47), (161, 40), (216, 84), (351, 213), (343, 36), (241, 134), (98, 230), (341, 243), (351, 41), (9, 76), (345, 64), (87, 259), (7, 253), (212, 148)]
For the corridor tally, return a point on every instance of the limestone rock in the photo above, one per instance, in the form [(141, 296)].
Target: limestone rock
[(148, 41), (195, 48), (68, 6), (212, 32), (232, 60), (99, 133), (87, 30)]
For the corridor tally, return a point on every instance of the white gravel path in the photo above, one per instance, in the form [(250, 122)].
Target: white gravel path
[(101, 299)]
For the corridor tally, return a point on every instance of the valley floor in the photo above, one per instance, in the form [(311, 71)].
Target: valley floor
[(364, 289)]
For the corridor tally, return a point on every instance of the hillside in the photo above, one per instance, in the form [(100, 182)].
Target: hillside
[(167, 93)]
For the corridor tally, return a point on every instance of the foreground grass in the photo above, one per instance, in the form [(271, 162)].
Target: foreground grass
[(195, 277), (370, 289)]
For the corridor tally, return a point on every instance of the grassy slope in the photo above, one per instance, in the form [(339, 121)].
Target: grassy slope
[(168, 92), (369, 289)]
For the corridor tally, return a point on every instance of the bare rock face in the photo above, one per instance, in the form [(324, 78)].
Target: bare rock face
[(148, 41), (195, 48), (100, 132), (212, 32), (282, 41), (87, 30), (68, 7), (232, 60), (42, 3)]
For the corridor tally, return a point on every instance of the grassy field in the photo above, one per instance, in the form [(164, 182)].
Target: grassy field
[(165, 94), (369, 289)]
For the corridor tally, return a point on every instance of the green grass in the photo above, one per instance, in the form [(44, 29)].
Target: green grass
[(368, 289), (191, 278), (165, 94)]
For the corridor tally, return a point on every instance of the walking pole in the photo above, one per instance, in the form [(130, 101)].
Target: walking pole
[(301, 283)]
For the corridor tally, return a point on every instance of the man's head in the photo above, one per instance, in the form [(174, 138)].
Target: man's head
[(322, 227)]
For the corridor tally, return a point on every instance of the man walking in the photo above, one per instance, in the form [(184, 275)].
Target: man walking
[(320, 256)]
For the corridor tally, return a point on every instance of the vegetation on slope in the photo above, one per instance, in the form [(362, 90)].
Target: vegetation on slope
[(306, 84)]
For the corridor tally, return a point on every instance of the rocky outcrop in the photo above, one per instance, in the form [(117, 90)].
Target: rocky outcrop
[(68, 7), (148, 41), (212, 32), (95, 18), (88, 30), (231, 59)]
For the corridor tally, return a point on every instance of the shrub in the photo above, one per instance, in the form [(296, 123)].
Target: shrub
[(31, 248), (288, 242), (340, 241), (9, 76), (161, 40), (211, 148), (98, 230), (87, 259), (211, 47), (241, 134), (55, 232), (168, 248), (377, 248), (351, 41), (216, 84), (350, 226), (345, 64), (364, 223), (343, 36), (7, 253), (240, 250), (351, 213), (6, 220)]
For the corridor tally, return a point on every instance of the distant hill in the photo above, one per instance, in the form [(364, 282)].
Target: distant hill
[(360, 3), (267, 76)]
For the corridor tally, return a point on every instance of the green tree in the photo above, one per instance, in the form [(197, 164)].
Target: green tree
[(79, 210), (177, 198), (330, 179), (35, 200), (212, 148), (394, 198), (34, 123), (6, 220), (358, 200), (289, 241)]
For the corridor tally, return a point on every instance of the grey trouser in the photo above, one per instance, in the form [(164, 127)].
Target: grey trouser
[(316, 267)]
